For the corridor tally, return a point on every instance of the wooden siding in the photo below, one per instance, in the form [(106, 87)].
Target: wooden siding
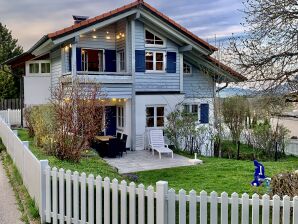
[(56, 67), (198, 84), (117, 90), (156, 81)]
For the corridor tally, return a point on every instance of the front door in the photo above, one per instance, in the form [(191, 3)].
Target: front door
[(110, 120)]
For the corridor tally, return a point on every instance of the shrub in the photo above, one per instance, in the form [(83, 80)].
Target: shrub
[(29, 121), (285, 184)]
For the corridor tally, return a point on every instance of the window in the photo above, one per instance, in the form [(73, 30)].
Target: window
[(121, 61), (153, 40), (187, 69), (92, 60), (155, 61), (34, 68), (191, 109), (120, 117), (155, 116), (45, 68)]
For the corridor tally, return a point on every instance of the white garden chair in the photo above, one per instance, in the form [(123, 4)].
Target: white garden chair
[(157, 143)]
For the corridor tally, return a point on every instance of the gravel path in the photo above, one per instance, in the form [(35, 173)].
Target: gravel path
[(9, 212)]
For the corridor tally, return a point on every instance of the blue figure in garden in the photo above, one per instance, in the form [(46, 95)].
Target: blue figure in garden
[(259, 175)]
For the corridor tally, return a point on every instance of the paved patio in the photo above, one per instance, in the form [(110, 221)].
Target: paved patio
[(142, 160)]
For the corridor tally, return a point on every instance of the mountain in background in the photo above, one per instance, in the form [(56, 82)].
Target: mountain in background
[(235, 91)]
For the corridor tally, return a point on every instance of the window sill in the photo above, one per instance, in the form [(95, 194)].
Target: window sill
[(155, 72), (155, 46)]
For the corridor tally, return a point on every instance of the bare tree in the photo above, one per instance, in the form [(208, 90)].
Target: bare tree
[(267, 53), (78, 109)]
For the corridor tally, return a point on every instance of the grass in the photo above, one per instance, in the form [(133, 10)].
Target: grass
[(29, 212), (215, 174), (92, 164)]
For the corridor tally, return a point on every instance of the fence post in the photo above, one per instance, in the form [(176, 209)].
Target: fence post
[(42, 200), (161, 202), (8, 116)]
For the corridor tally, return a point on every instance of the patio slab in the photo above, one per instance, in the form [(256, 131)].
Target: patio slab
[(135, 161)]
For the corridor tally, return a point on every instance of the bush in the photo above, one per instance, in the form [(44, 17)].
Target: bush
[(285, 184), (43, 123), (29, 121)]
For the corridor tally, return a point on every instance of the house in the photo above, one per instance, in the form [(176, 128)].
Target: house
[(145, 62)]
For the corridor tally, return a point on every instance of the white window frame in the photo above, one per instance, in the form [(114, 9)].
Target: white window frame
[(39, 62), (154, 62), (155, 116), (155, 45), (103, 59), (190, 108), (190, 73), (119, 60), (121, 116)]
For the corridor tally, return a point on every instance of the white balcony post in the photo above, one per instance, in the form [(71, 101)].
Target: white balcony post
[(161, 202), (74, 60)]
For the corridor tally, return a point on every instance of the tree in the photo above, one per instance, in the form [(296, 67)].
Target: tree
[(235, 111), (267, 54), (9, 47), (78, 110), (7, 85)]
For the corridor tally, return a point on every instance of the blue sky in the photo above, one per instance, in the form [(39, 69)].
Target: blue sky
[(29, 20)]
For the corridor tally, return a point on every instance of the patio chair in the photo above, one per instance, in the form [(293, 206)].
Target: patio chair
[(157, 143), (118, 135), (113, 148)]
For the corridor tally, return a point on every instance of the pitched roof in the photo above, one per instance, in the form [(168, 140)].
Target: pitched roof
[(135, 4), (226, 68)]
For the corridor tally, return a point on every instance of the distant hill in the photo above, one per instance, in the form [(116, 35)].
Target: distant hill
[(235, 91)]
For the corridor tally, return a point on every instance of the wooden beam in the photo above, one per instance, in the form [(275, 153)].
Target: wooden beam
[(185, 48)]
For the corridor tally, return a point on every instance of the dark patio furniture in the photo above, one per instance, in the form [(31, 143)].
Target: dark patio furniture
[(113, 148), (124, 140), (119, 135)]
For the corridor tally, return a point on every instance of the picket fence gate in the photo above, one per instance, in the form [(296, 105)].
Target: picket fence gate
[(75, 198)]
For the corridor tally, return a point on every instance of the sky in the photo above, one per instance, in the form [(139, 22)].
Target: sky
[(29, 20)]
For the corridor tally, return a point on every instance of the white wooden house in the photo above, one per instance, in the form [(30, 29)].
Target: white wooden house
[(146, 64)]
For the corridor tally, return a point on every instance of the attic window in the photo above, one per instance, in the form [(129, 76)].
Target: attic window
[(153, 40), (187, 69)]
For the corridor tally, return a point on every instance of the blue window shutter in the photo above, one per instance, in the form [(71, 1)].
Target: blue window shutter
[(140, 61), (110, 60), (204, 113), (79, 59), (171, 62)]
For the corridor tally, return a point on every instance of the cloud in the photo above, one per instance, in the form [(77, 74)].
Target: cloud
[(29, 20)]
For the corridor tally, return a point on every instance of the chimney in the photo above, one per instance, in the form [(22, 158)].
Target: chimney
[(78, 19)]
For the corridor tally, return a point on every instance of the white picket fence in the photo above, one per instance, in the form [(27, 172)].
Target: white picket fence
[(292, 147), (30, 168), (74, 198), (12, 117)]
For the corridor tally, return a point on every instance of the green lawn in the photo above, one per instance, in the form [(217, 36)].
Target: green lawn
[(214, 174)]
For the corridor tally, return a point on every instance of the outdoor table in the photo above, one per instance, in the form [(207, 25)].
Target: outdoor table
[(104, 138), (104, 144)]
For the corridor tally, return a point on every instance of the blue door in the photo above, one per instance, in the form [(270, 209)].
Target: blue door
[(111, 120)]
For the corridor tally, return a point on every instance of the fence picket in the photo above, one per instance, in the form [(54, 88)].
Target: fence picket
[(132, 203), (48, 194), (203, 207), (245, 209), (90, 199), (76, 197), (295, 210), (286, 210), (255, 208), (123, 190), (61, 196), (192, 207), (55, 194), (265, 209), (115, 218), (98, 199), (68, 196), (141, 204), (224, 216), (171, 206), (234, 208), (213, 207), (83, 198), (150, 205), (106, 191), (276, 210), (182, 207)]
